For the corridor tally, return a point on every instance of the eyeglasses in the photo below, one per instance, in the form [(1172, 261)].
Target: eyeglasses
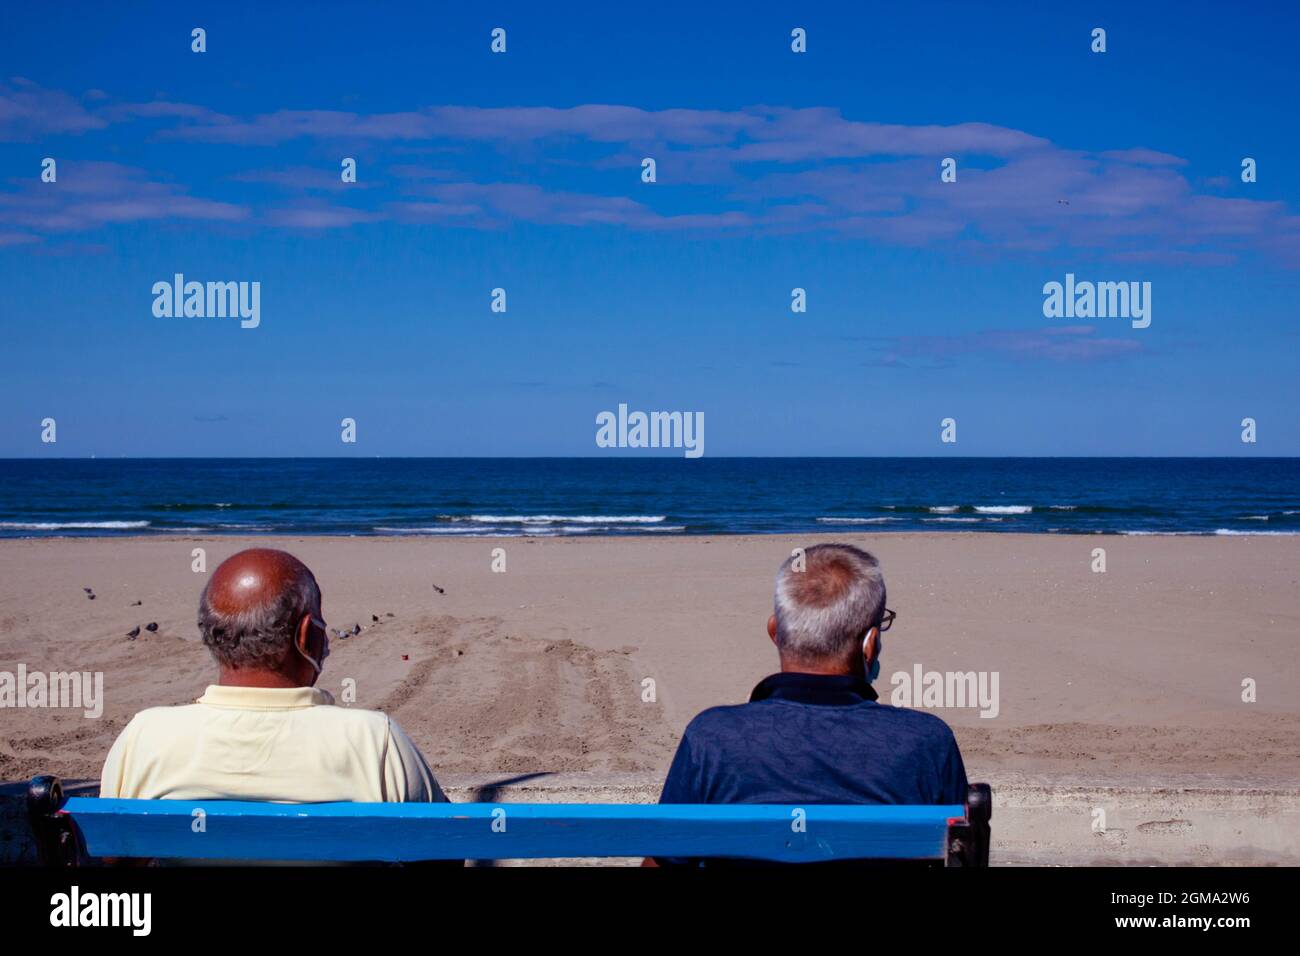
[(887, 620)]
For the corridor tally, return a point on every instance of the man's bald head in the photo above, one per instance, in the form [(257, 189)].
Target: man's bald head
[(252, 607), (826, 602)]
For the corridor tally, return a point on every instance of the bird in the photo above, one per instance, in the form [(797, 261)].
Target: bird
[(356, 628), (89, 590), (151, 626), (136, 603), (374, 618), (1063, 202), (132, 634), (439, 590)]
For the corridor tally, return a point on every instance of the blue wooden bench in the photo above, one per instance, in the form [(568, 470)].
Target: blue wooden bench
[(70, 831)]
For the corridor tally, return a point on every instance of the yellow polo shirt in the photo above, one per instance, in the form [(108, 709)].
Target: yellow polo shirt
[(287, 745)]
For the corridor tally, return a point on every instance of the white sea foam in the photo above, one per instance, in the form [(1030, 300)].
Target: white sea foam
[(527, 530), (959, 520), (857, 520), (597, 529), (1240, 532), (1004, 509), (72, 525), (478, 532), (556, 519), (944, 509)]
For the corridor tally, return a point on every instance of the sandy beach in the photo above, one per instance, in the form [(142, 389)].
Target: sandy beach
[(1132, 676)]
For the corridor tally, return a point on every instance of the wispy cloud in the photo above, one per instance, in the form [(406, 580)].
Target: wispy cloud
[(765, 169), (88, 195), (525, 202), (302, 179), (1066, 343), (313, 214), (28, 111)]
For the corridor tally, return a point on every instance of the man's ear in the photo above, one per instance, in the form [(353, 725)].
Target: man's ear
[(771, 628), (871, 645), (303, 638)]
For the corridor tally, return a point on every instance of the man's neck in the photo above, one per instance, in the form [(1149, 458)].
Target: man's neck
[(821, 668), (231, 677)]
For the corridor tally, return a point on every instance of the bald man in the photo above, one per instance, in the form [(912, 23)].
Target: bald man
[(264, 731)]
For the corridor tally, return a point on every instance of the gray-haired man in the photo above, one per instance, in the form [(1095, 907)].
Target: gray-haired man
[(263, 731), (814, 733)]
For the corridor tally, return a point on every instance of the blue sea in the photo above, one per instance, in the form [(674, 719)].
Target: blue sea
[(647, 496)]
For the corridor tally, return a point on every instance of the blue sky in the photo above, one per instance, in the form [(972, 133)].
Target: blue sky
[(775, 170)]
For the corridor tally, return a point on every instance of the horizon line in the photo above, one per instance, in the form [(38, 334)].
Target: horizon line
[(661, 457)]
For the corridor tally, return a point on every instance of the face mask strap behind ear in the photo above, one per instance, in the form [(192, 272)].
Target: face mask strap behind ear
[(316, 665), (310, 660), (873, 669)]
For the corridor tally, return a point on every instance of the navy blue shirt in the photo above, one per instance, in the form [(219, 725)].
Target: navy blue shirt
[(813, 738)]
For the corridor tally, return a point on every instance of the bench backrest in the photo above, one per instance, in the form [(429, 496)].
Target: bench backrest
[(397, 832)]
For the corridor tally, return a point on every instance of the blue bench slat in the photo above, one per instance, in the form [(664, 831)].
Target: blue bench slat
[(392, 832)]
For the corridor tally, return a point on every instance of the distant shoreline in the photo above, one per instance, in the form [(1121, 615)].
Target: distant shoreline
[(648, 497), (642, 456)]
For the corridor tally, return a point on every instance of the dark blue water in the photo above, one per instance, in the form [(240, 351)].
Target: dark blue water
[(567, 496)]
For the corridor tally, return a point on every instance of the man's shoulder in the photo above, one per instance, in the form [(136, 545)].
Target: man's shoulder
[(356, 720), (918, 722), (724, 718), (916, 718), (332, 715), (167, 715), (728, 717)]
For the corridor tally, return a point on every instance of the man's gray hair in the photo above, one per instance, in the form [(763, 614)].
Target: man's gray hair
[(824, 610), (258, 637)]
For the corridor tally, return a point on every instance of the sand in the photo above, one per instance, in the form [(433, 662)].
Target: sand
[(1131, 677)]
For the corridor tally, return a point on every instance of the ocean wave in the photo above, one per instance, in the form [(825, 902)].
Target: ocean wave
[(857, 520), (1004, 509), (72, 525), (959, 520), (596, 529), (527, 531), (1238, 531), (223, 505), (555, 519), (481, 532), (943, 509), (1065, 507)]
